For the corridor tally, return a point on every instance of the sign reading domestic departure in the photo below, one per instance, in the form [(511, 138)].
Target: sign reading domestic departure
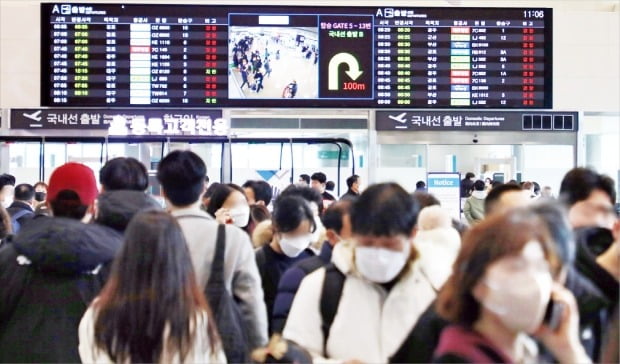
[(457, 120), (154, 55), (125, 122)]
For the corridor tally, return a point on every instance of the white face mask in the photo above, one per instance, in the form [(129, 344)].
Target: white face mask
[(240, 216), (380, 265), (292, 247), (518, 298)]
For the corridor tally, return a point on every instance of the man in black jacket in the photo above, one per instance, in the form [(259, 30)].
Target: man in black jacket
[(124, 181), (590, 197), (353, 191), (52, 271), (318, 181), (22, 210)]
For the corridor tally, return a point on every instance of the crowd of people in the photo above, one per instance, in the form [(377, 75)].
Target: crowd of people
[(255, 66), (228, 273)]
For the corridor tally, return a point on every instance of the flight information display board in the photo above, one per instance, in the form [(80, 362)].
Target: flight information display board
[(145, 55)]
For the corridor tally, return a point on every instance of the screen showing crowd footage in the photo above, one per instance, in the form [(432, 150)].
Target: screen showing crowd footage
[(273, 63)]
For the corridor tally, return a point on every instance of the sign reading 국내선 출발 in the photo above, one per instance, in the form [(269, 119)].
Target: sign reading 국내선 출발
[(446, 187), (124, 122)]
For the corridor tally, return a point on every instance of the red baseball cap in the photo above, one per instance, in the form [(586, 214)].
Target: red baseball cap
[(75, 177)]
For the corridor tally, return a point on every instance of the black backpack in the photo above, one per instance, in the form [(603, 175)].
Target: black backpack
[(225, 308)]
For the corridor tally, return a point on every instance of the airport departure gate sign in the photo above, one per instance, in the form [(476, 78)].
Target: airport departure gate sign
[(165, 55), (450, 120), (125, 122)]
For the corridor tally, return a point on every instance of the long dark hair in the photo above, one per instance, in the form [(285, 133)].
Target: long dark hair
[(152, 285)]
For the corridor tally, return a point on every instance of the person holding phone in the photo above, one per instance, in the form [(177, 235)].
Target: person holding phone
[(502, 293), (229, 205)]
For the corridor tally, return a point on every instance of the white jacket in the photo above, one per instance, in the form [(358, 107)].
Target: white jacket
[(370, 323), (240, 270), (199, 353)]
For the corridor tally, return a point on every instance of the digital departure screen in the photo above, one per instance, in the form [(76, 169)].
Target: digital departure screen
[(289, 56)]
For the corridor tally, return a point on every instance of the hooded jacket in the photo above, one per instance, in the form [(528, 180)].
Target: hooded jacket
[(50, 274), (438, 244), (474, 207), (116, 208), (370, 323), (262, 234)]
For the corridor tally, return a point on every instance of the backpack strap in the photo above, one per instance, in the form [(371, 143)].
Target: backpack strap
[(216, 278), (269, 278), (311, 264), (21, 213), (261, 263), (227, 315), (330, 299), (18, 215), (268, 272)]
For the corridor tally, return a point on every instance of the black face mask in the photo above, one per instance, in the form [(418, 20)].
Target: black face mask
[(40, 196), (596, 238)]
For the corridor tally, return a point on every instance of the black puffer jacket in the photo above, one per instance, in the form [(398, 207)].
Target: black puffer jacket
[(116, 208), (49, 274), (592, 242)]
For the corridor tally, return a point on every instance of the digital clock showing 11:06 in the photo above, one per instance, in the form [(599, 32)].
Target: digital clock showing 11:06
[(536, 14), (138, 55)]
